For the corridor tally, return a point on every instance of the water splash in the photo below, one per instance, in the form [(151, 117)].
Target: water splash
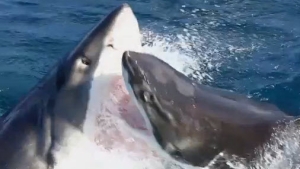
[(282, 151)]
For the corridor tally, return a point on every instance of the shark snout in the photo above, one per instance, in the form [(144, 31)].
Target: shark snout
[(125, 32), (127, 68)]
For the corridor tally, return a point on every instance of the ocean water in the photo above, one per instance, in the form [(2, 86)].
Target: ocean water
[(248, 46)]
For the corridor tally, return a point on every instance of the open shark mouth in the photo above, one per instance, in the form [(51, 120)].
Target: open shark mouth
[(116, 109), (120, 133), (115, 134), (119, 96)]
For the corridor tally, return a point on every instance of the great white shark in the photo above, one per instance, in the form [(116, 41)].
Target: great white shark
[(196, 123), (61, 123)]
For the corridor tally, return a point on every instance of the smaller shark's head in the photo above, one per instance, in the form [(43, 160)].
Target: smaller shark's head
[(166, 96)]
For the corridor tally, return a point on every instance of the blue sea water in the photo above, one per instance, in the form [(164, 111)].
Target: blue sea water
[(248, 46)]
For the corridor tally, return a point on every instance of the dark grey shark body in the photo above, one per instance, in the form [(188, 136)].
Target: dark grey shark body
[(194, 122), (57, 105)]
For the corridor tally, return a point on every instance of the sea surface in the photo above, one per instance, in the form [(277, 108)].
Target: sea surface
[(247, 46)]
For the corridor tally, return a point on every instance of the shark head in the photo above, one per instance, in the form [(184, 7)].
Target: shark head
[(194, 122), (167, 97), (84, 76)]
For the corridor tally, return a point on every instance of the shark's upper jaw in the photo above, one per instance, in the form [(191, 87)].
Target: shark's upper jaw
[(125, 32), (121, 34)]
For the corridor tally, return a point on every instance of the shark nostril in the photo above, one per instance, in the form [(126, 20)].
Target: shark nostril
[(125, 60)]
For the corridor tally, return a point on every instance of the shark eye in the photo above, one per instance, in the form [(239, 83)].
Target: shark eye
[(147, 97), (173, 151), (176, 154), (86, 61), (179, 157), (151, 101)]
